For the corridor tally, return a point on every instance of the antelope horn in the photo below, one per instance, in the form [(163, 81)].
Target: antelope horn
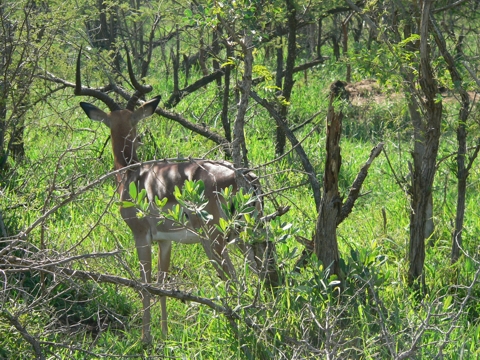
[(99, 94), (140, 89)]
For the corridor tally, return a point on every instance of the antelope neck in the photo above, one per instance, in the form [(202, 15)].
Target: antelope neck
[(124, 154)]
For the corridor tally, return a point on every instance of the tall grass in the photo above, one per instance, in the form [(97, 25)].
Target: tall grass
[(376, 317)]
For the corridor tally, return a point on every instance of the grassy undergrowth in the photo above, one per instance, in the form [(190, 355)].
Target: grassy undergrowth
[(374, 318)]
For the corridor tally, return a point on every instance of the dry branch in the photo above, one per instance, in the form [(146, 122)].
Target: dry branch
[(202, 130), (325, 237), (13, 320), (357, 184), (314, 183), (177, 96), (17, 264)]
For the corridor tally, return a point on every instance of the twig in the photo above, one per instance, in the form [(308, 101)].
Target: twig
[(13, 320), (471, 72), (279, 212), (357, 184), (450, 6), (399, 182), (153, 289), (314, 183)]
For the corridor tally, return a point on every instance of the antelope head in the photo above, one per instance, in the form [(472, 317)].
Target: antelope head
[(121, 122), (123, 128)]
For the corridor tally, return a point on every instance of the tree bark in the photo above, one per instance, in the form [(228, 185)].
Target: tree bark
[(226, 96), (424, 172), (348, 76), (239, 150), (462, 171), (319, 38), (325, 238), (289, 66)]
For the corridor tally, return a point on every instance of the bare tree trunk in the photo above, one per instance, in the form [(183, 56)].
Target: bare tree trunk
[(226, 97), (348, 76), (280, 134), (319, 38), (462, 170), (424, 172), (418, 135), (288, 78), (325, 238), (335, 37), (239, 151)]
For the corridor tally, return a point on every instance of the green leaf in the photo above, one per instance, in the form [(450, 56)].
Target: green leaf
[(177, 193), (447, 302), (160, 203), (230, 61), (142, 195), (125, 204), (132, 190), (412, 38), (223, 224)]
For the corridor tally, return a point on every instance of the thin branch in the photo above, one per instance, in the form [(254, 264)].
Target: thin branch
[(177, 96), (153, 289), (357, 184), (13, 320), (471, 72), (448, 7), (400, 182), (314, 183), (202, 130), (472, 158)]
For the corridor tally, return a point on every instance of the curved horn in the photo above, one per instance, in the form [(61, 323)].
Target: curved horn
[(100, 94), (140, 89)]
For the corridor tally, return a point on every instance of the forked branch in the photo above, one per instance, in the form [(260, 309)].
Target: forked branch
[(357, 184)]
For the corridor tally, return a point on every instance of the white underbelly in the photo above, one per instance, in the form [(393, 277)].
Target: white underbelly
[(183, 236)]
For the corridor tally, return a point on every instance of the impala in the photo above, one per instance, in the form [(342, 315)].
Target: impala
[(159, 180)]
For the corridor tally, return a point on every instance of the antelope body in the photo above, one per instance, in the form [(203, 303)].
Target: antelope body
[(159, 180)]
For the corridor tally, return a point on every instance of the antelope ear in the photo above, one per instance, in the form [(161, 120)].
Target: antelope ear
[(95, 113), (146, 110)]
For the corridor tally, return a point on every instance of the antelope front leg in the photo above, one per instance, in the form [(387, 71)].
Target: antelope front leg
[(165, 251), (144, 251), (216, 249)]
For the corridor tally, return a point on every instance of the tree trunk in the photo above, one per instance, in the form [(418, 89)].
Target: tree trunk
[(239, 151), (280, 138), (325, 238), (226, 97), (424, 165), (290, 64), (462, 170), (319, 38), (348, 76)]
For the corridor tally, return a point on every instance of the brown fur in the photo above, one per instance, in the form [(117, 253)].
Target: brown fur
[(159, 180)]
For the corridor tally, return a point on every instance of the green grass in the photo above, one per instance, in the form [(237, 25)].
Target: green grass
[(64, 146)]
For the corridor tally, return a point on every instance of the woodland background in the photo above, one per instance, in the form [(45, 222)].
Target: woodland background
[(378, 254)]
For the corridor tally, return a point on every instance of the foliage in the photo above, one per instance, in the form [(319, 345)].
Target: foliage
[(59, 211)]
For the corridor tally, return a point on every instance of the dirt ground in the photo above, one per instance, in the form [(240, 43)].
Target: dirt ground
[(369, 90)]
